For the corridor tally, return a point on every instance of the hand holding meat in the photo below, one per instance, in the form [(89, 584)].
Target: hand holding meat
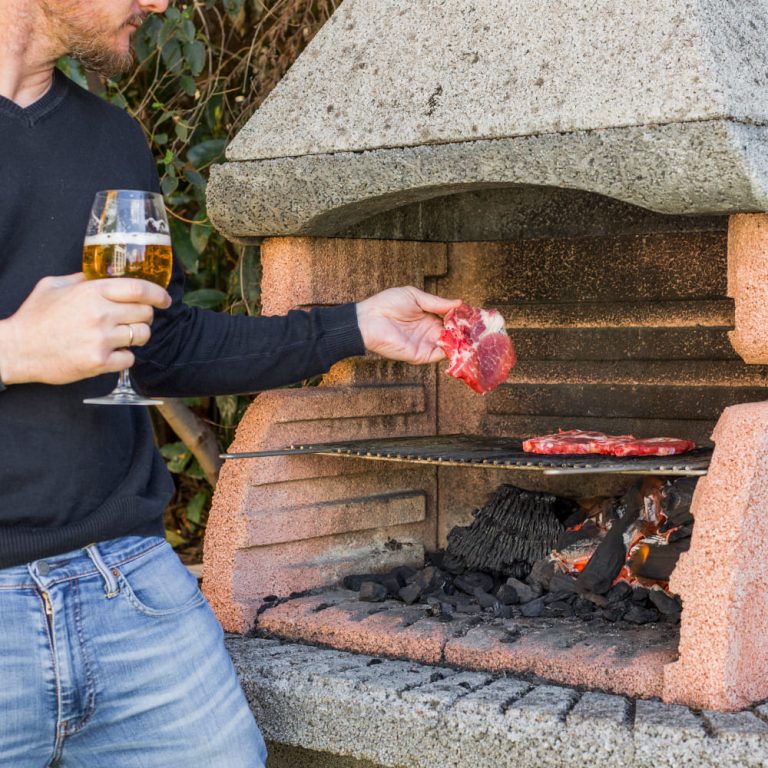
[(404, 324), (70, 328)]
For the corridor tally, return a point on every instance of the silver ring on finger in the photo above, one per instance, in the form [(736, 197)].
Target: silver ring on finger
[(130, 335)]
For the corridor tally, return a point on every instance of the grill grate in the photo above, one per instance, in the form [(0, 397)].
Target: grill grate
[(504, 453)]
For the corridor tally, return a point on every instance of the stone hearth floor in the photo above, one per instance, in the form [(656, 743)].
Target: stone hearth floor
[(620, 658), (403, 714)]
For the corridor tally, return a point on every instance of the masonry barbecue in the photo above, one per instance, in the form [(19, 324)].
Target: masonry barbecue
[(597, 173)]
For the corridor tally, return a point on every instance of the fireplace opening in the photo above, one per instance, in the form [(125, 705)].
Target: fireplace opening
[(532, 571)]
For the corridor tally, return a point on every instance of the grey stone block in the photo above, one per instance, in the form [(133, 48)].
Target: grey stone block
[(660, 105), (670, 736), (686, 168), (338, 708)]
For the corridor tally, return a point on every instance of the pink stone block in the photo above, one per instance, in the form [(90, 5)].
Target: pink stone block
[(748, 284), (346, 627), (600, 662), (723, 579)]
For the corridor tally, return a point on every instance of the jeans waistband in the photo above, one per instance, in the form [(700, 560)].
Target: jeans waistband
[(78, 563)]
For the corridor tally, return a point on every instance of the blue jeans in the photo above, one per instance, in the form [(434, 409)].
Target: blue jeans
[(110, 657)]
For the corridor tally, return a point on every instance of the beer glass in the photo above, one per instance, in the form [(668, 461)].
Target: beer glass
[(127, 236)]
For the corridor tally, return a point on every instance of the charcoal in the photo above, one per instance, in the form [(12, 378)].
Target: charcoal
[(509, 534), (372, 592), (614, 612), (671, 618), (583, 607), (656, 563), (453, 565), (639, 615), (501, 611), (427, 578), (485, 599), (590, 531), (665, 603), (619, 592), (611, 554), (506, 594), (403, 573), (410, 593), (677, 503), (435, 558), (391, 584), (640, 595), (525, 592), (441, 611), (562, 582), (481, 580), (533, 608), (554, 597), (355, 581), (558, 610), (541, 574), (680, 533)]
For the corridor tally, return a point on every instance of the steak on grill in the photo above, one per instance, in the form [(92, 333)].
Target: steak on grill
[(576, 441), (477, 346)]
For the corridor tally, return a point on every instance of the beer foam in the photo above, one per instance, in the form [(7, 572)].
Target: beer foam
[(128, 238)]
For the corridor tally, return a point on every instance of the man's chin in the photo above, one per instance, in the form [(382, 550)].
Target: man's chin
[(107, 63)]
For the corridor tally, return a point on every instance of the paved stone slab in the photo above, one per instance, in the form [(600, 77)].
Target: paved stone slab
[(400, 714)]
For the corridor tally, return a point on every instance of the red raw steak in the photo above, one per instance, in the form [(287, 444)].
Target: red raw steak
[(574, 441), (577, 441), (478, 347), (654, 446)]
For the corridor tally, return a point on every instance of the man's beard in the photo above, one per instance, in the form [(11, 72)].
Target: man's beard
[(87, 43)]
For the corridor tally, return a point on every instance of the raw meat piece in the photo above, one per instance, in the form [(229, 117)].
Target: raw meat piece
[(478, 347), (576, 441), (654, 446)]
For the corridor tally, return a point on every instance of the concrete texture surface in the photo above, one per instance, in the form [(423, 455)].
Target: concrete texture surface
[(704, 167), (344, 707), (443, 71), (722, 579)]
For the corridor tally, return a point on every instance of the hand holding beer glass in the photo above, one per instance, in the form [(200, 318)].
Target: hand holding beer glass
[(127, 236)]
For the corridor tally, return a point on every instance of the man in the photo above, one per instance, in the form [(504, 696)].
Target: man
[(109, 655)]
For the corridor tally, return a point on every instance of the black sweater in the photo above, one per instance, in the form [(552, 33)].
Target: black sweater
[(70, 473)]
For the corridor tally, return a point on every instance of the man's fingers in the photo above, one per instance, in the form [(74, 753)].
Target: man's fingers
[(118, 361), (130, 335), (437, 305), (133, 291)]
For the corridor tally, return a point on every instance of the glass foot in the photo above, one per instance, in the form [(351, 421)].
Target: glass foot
[(123, 398)]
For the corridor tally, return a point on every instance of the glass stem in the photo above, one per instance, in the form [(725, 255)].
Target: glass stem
[(124, 382)]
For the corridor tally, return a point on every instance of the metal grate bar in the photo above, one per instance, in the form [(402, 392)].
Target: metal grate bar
[(504, 453)]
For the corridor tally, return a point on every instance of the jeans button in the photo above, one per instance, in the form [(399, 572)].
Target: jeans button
[(43, 568)]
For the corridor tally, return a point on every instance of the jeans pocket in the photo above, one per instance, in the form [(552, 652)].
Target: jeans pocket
[(158, 584)]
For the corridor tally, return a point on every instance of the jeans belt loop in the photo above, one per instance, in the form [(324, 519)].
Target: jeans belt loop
[(111, 587)]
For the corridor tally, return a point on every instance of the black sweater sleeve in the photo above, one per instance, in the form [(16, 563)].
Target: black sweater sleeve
[(198, 352)]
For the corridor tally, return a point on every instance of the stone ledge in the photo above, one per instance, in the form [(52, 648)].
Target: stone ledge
[(399, 713)]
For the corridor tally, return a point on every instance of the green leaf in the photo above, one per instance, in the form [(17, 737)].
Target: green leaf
[(195, 178), (173, 538), (172, 55), (188, 85), (194, 53), (160, 138), (183, 247), (181, 131), (199, 234), (169, 185), (173, 13), (187, 29), (206, 152), (176, 456), (196, 507), (205, 298)]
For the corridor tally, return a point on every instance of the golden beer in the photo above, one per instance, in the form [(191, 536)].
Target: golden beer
[(143, 255)]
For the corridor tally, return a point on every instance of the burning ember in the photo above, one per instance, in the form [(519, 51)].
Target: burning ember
[(533, 554)]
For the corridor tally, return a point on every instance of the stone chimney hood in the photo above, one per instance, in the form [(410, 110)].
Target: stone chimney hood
[(662, 104)]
